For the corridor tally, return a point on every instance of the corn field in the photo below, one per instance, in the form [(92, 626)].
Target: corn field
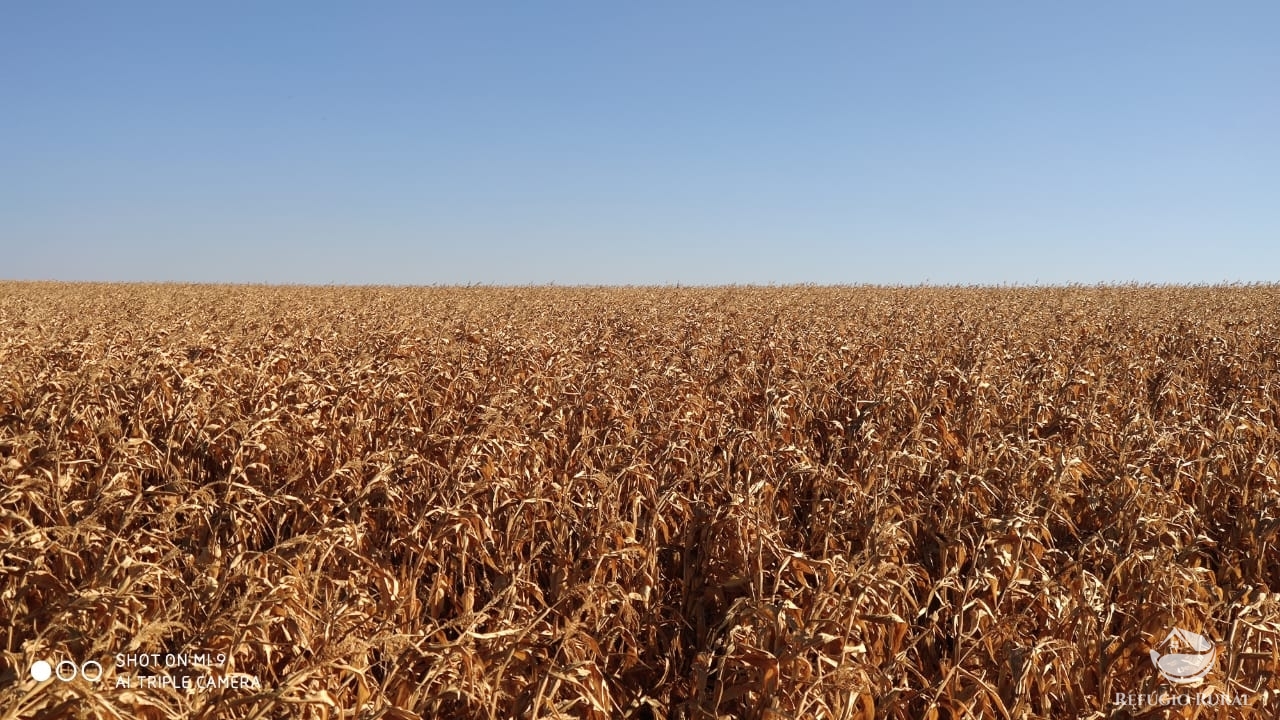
[(785, 502)]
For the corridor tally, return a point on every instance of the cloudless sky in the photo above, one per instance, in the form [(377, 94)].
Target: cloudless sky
[(640, 142)]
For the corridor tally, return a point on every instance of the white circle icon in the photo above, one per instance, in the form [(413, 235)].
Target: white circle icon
[(70, 671), (41, 671)]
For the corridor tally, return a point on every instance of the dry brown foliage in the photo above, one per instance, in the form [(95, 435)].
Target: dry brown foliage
[(639, 503)]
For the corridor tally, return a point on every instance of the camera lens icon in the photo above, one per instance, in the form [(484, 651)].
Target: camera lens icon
[(66, 671)]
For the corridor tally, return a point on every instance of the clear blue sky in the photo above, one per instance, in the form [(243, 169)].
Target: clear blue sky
[(640, 142)]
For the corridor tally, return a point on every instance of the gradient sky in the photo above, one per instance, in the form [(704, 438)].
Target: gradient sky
[(640, 142)]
